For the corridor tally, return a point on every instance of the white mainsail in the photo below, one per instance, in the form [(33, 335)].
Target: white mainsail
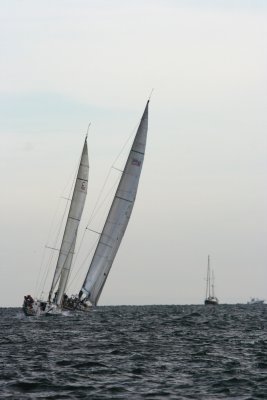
[(70, 234), (118, 217)]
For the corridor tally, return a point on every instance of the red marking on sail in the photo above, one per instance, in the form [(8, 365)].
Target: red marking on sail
[(136, 162)]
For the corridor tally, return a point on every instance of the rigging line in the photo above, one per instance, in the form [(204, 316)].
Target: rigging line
[(70, 196), (75, 238), (72, 247), (149, 97), (45, 272), (93, 213), (82, 239), (96, 210), (99, 205), (49, 263), (76, 254), (83, 263), (86, 136), (94, 245), (125, 144), (58, 232), (109, 173), (48, 268), (117, 169), (80, 245), (39, 281), (131, 135)]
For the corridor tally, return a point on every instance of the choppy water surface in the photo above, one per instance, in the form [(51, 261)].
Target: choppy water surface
[(146, 352)]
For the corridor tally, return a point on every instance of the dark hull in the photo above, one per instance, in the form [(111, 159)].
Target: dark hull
[(34, 308), (211, 302), (73, 303), (29, 312), (77, 308)]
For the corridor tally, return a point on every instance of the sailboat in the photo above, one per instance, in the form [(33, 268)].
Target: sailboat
[(210, 299), (109, 239), (116, 222), (64, 262), (255, 300)]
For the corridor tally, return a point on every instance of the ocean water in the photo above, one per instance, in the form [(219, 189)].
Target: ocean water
[(136, 352)]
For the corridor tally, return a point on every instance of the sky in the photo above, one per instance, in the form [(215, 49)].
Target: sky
[(65, 64)]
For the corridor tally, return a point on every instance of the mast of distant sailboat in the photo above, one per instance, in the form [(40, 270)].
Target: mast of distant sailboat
[(208, 279)]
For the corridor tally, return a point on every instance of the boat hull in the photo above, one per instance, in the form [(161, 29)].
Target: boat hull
[(39, 308), (74, 304), (34, 308), (211, 302), (255, 302)]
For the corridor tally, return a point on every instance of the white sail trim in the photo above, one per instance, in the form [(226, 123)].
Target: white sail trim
[(118, 216), (70, 234)]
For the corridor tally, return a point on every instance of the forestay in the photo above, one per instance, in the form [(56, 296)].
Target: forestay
[(118, 217), (70, 234)]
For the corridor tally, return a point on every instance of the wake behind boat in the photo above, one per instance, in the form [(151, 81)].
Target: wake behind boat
[(109, 239)]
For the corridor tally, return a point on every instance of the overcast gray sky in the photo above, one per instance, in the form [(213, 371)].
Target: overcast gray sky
[(203, 186)]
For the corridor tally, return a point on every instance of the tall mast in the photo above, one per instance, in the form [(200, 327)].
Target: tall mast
[(212, 284), (208, 279)]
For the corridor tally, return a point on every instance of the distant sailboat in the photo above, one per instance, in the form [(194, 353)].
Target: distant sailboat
[(255, 300), (211, 299), (64, 261), (109, 240)]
